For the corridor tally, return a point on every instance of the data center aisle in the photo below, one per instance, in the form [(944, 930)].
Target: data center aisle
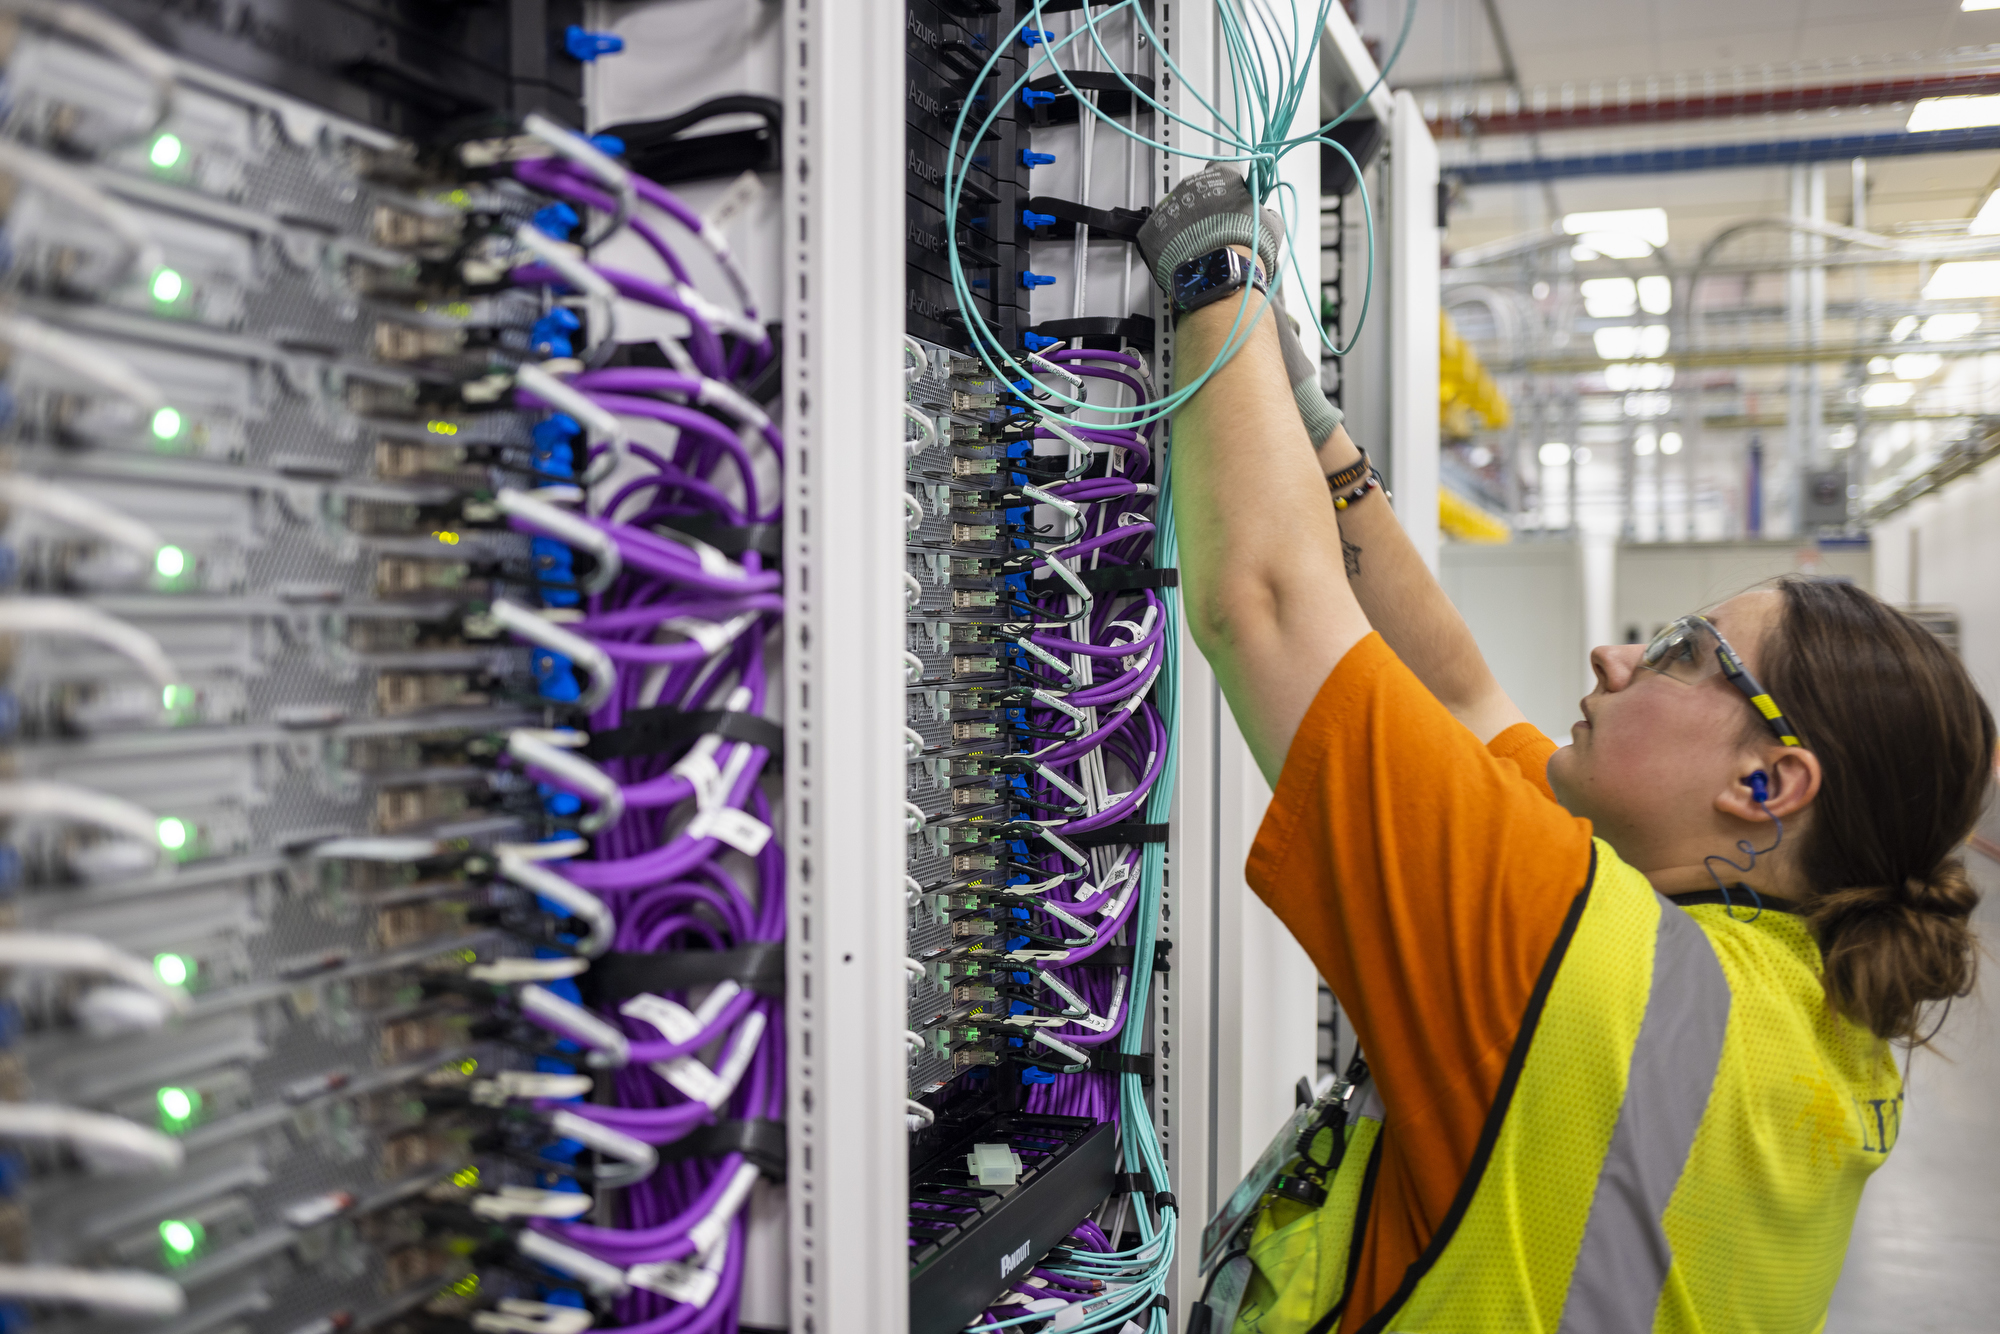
[(1926, 1252)]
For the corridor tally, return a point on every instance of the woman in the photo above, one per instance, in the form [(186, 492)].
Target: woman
[(1628, 1006)]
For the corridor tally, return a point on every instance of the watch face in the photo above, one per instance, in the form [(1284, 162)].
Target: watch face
[(1202, 275)]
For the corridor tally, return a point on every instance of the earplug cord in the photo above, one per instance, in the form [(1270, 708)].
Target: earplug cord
[(1744, 846)]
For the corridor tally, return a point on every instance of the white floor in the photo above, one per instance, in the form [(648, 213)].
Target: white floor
[(1926, 1252)]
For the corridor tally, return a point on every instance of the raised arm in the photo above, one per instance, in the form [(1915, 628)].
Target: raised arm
[(1268, 602), (1403, 600)]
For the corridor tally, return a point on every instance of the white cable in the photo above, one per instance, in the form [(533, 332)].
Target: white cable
[(913, 592), (528, 1202), (99, 29), (75, 952), (375, 849), (568, 528), (596, 663), (913, 895), (925, 425), (606, 1280), (569, 144), (913, 817), (73, 188), (517, 1315), (639, 1156), (577, 273), (913, 667), (913, 743), (914, 1041), (45, 799), (913, 513), (123, 1291), (539, 879), (600, 427), (577, 1023), (920, 1116), (80, 511), (920, 360), (87, 361), (524, 745), (107, 1141), (61, 616)]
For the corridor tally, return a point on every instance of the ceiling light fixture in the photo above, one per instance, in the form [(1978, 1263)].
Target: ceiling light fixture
[(1954, 113)]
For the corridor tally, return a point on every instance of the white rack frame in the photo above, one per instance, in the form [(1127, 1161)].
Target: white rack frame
[(844, 616)]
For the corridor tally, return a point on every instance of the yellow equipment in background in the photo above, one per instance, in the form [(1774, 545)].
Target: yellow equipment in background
[(1467, 399), (1465, 388)]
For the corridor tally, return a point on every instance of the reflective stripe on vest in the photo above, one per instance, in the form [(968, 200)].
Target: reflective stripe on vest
[(1623, 1262)]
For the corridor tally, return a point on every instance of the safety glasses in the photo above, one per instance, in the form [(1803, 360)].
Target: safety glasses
[(1691, 650)]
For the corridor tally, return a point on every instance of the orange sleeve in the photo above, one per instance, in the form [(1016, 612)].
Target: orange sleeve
[(1427, 875)]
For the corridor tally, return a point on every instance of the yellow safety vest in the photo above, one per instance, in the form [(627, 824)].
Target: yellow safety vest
[(1679, 1143)]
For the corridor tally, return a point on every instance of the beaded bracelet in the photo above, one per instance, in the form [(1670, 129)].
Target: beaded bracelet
[(1372, 483), (1348, 476)]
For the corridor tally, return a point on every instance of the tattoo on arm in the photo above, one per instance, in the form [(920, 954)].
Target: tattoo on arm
[(1351, 554)]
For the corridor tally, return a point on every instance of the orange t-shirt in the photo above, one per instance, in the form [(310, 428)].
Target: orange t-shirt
[(1427, 876)]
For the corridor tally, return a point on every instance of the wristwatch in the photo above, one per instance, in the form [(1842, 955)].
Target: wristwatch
[(1211, 277)]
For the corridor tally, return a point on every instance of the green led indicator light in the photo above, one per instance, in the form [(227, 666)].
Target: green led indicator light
[(173, 834), (170, 562), (167, 422), (173, 969), (181, 1238), (178, 1105), (167, 286), (166, 151), (175, 698)]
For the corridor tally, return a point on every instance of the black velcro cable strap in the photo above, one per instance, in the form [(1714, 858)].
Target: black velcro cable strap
[(1102, 332), (762, 1142), (733, 539), (665, 728), (1120, 956), (665, 151), (1121, 223), (1114, 94), (1127, 578), (1118, 833), (1119, 1063), (616, 977)]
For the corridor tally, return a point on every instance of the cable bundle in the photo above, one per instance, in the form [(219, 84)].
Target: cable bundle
[(668, 635)]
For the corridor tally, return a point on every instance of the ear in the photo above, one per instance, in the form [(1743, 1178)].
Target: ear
[(1792, 777)]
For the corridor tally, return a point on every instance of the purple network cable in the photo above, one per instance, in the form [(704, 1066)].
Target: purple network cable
[(689, 862)]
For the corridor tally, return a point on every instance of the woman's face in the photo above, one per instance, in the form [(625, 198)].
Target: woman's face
[(1650, 754)]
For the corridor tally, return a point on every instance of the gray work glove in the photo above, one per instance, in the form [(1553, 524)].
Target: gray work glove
[(1207, 211), (1302, 369), (1212, 209)]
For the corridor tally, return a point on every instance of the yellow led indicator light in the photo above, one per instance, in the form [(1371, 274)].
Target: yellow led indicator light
[(441, 428), (167, 423), (165, 152), (181, 1238), (167, 286), (466, 1286), (173, 833), (449, 539), (173, 969), (171, 562), (178, 1105), (466, 1178)]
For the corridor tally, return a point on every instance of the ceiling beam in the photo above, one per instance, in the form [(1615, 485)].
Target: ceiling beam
[(1652, 106), (1716, 157)]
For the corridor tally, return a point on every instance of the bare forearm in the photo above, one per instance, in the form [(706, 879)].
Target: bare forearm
[(1260, 551), (1403, 600)]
